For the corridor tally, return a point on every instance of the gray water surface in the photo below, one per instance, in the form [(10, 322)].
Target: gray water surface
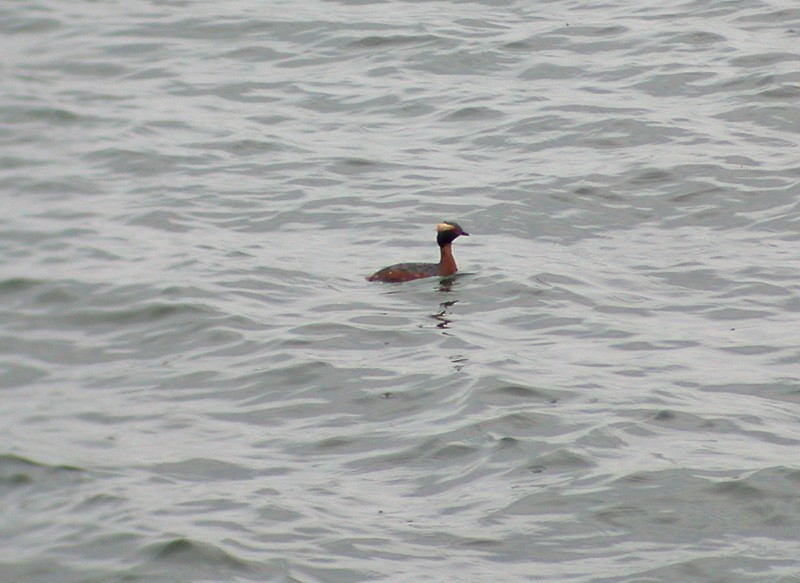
[(198, 383)]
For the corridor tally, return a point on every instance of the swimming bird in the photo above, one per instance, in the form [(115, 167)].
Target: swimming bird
[(446, 233)]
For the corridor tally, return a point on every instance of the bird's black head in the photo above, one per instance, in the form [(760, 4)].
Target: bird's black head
[(447, 232)]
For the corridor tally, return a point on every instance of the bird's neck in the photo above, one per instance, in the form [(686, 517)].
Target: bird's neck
[(447, 264)]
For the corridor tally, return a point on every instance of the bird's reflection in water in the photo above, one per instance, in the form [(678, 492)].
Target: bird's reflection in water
[(446, 284), (441, 315), (459, 361)]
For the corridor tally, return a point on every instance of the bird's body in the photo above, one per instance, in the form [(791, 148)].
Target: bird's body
[(447, 232)]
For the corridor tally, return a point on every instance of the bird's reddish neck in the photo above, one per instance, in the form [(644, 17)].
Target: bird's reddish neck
[(447, 264)]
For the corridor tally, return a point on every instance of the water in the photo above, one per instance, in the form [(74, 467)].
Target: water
[(199, 385)]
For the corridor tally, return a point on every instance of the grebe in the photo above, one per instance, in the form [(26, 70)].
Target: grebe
[(446, 233)]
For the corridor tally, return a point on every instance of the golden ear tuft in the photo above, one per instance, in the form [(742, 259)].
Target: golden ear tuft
[(444, 227)]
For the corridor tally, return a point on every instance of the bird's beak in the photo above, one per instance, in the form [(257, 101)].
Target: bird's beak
[(463, 233)]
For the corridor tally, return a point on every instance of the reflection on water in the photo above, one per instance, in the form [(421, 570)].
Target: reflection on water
[(459, 361), (444, 322)]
